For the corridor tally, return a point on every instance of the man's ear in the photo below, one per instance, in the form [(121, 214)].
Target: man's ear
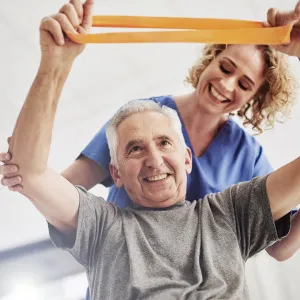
[(114, 172), (188, 160)]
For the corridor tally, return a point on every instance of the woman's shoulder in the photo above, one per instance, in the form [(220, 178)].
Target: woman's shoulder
[(162, 100), (244, 148), (235, 132)]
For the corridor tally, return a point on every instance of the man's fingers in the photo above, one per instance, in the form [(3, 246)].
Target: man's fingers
[(78, 7), (71, 13), (53, 27), (271, 17), (266, 24), (279, 18), (297, 10), (69, 20), (64, 23), (8, 140), (87, 14), (56, 25)]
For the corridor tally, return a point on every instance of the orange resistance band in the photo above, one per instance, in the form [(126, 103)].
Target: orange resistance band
[(192, 30)]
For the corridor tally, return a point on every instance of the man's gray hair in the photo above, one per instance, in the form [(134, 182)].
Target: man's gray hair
[(134, 107)]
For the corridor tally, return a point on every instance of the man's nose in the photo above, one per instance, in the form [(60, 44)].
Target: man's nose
[(154, 159)]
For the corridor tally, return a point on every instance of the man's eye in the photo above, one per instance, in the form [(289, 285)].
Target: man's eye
[(135, 149), (165, 143)]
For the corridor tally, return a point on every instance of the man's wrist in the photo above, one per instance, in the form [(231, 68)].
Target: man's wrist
[(53, 69), (52, 72)]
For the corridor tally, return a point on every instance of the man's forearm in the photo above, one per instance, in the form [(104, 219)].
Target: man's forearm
[(284, 249), (31, 138), (52, 195), (283, 188), (55, 197)]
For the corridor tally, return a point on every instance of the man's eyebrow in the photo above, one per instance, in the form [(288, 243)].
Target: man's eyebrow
[(163, 137), (234, 64)]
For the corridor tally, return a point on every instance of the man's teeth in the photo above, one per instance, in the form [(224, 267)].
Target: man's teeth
[(217, 95), (157, 177)]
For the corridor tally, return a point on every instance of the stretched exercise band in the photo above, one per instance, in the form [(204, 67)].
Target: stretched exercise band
[(192, 30)]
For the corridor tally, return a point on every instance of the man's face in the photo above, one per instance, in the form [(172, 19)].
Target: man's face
[(152, 164)]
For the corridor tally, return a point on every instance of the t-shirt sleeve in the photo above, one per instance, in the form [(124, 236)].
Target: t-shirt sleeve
[(262, 165), (98, 151), (248, 208), (95, 215)]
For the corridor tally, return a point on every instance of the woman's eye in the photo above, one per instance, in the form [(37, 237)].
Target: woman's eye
[(243, 86), (224, 70)]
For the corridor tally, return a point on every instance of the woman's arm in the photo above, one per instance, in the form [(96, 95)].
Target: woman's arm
[(84, 172)]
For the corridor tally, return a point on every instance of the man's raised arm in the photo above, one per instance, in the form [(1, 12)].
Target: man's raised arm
[(283, 188), (53, 195)]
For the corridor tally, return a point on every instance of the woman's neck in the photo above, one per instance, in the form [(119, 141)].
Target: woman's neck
[(196, 119), (201, 126)]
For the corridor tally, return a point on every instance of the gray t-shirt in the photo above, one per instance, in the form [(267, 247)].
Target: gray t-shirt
[(195, 251)]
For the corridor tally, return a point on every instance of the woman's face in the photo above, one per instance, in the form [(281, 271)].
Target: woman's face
[(231, 79)]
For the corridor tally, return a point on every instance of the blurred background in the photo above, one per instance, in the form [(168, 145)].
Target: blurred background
[(103, 78)]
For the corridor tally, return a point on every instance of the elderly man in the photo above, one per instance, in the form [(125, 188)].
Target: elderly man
[(163, 248)]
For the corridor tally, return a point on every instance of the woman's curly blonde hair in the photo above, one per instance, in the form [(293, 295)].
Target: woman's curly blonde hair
[(275, 97)]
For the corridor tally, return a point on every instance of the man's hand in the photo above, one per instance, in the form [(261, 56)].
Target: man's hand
[(280, 18), (56, 48)]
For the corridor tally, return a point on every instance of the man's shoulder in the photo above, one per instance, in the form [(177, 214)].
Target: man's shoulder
[(98, 204)]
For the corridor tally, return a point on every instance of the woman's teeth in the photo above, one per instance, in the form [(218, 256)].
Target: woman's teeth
[(157, 177), (215, 93)]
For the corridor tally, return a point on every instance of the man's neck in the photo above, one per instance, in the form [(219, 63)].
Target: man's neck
[(179, 203)]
